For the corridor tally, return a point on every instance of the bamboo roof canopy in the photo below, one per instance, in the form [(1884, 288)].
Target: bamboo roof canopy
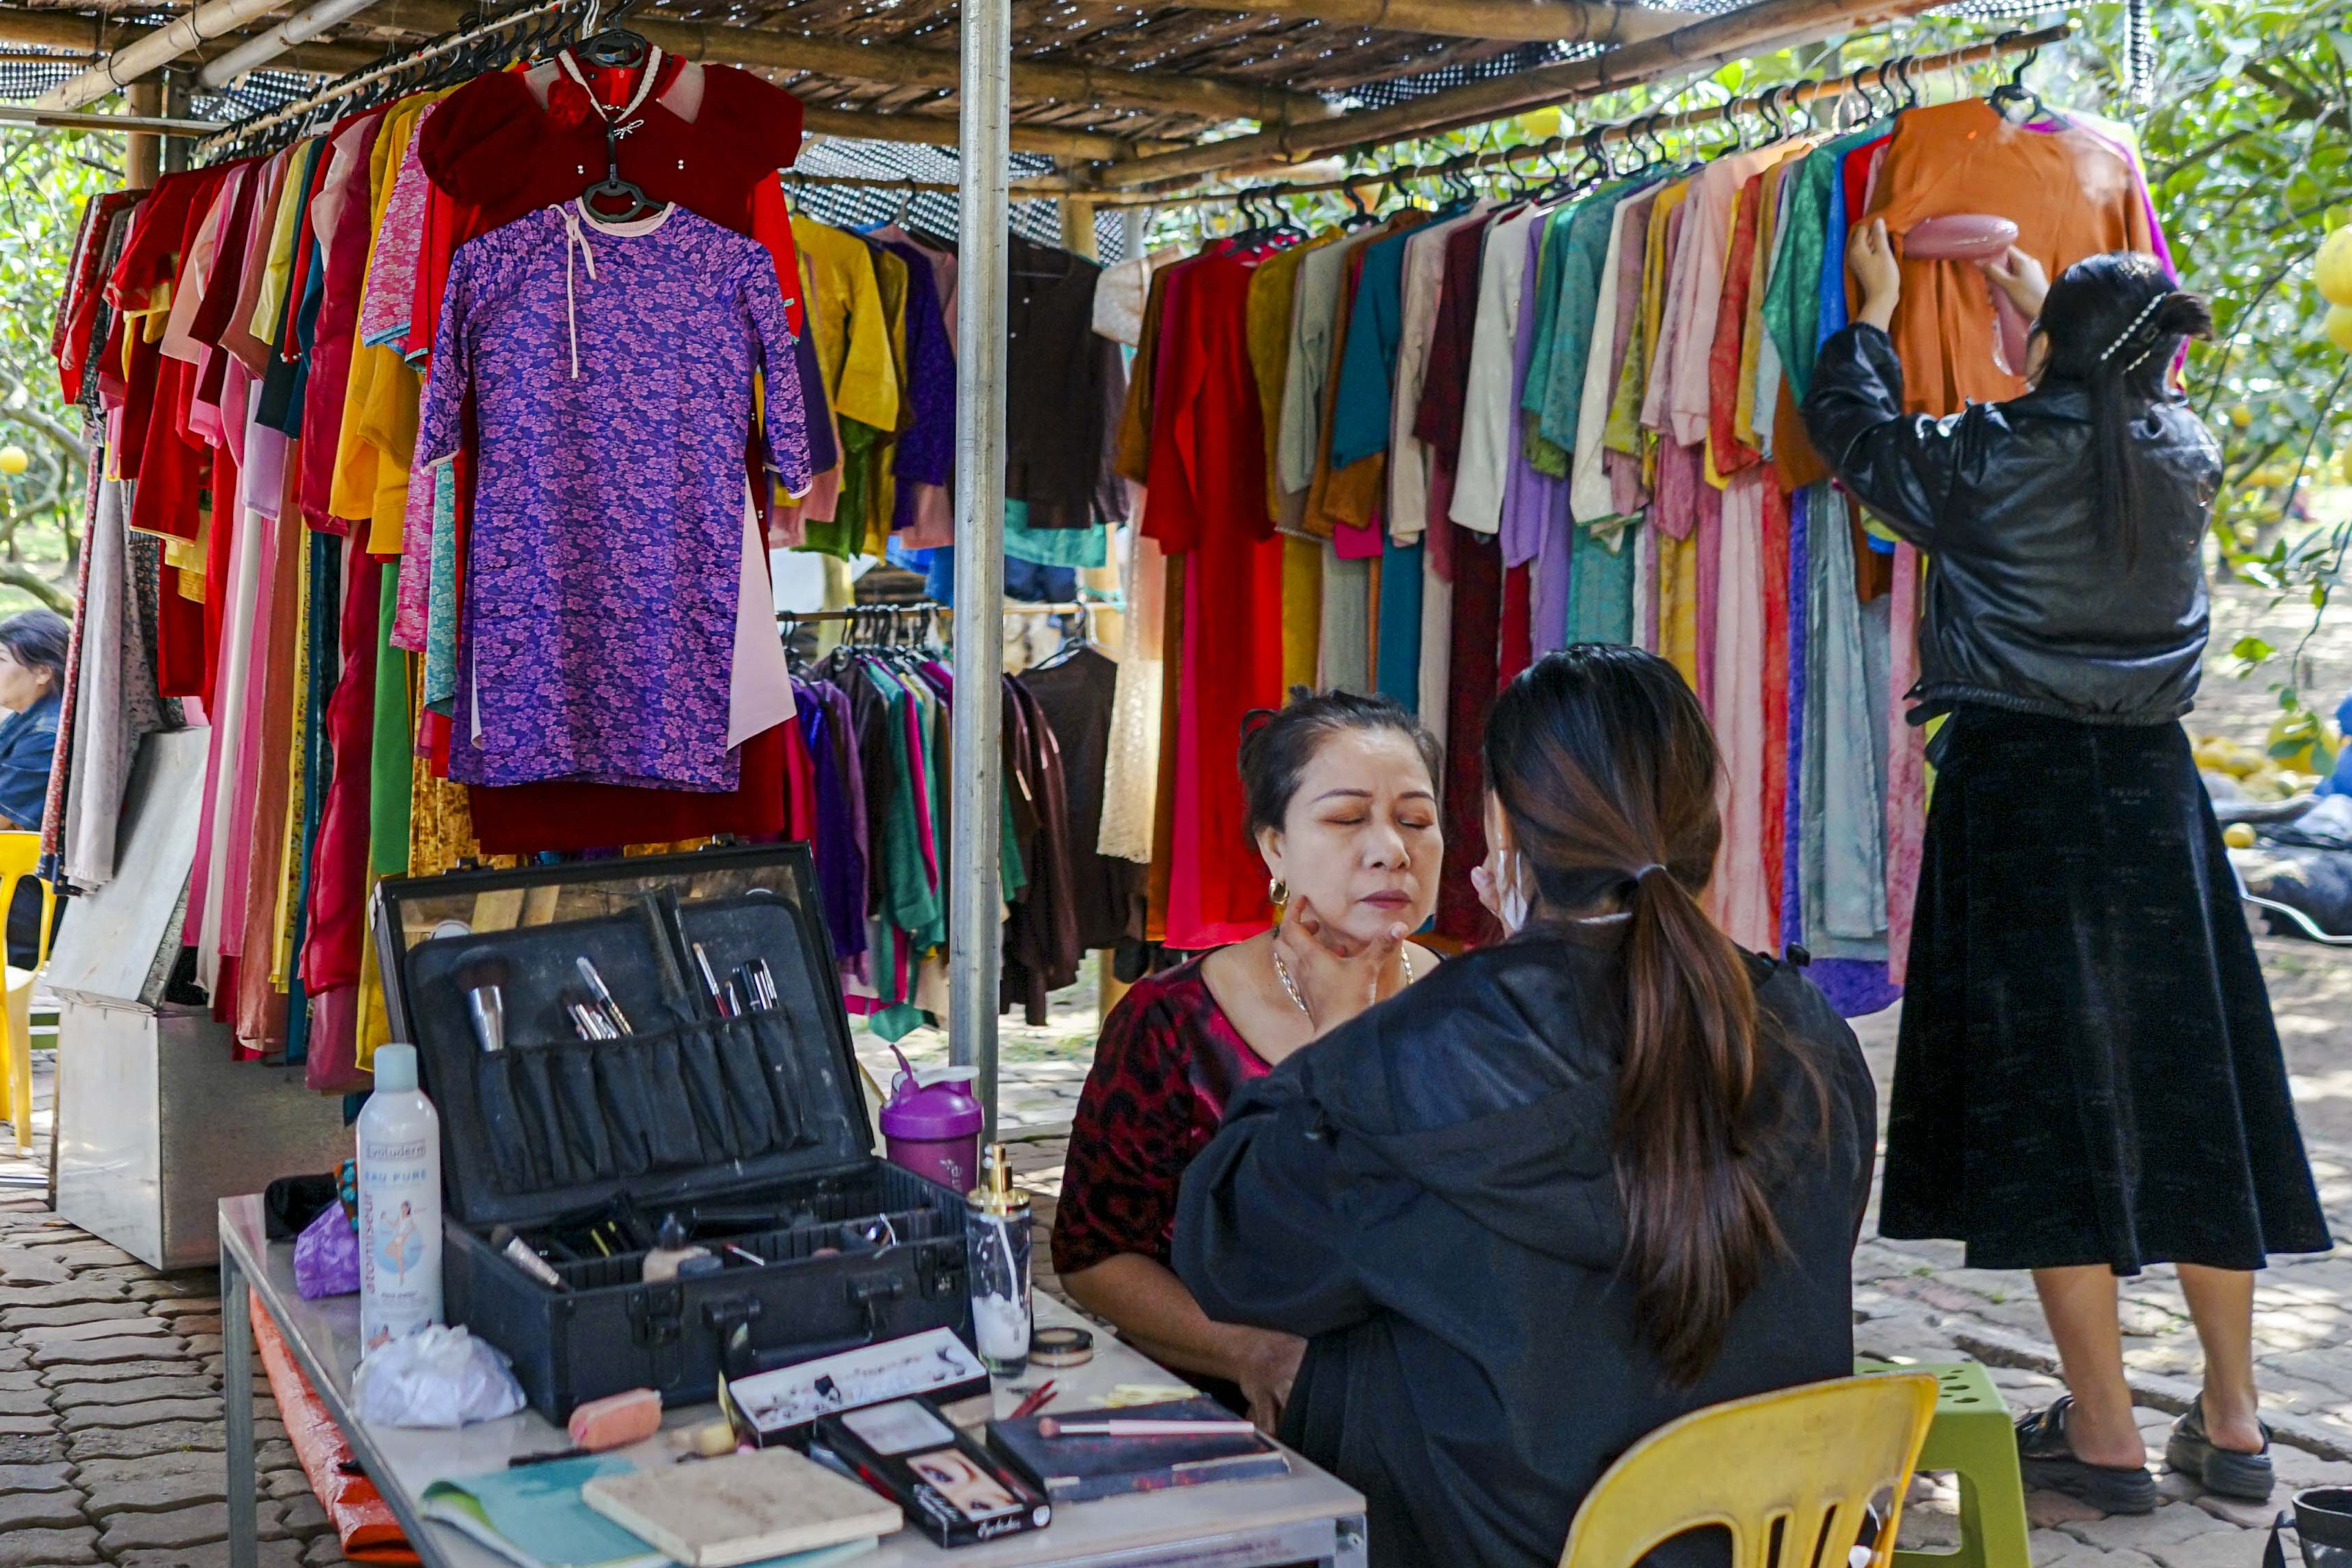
[(1128, 95)]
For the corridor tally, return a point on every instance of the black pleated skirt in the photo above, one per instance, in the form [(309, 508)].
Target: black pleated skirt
[(2087, 1070)]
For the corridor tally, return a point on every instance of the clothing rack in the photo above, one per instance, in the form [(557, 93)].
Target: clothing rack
[(984, 85), (1591, 139), (928, 607), (246, 134)]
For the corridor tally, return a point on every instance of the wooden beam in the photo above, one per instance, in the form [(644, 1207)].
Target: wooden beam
[(57, 29), (142, 154), (1515, 21), (938, 130), (1211, 98), (63, 30), (1757, 28), (904, 65)]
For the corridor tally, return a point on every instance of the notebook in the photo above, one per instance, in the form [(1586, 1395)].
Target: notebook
[(744, 1508), (534, 1516), (1076, 1470)]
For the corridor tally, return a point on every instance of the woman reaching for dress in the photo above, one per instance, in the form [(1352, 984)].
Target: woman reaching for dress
[(1342, 807), (2088, 1081)]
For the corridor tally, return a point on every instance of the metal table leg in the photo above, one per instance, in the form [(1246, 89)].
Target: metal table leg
[(236, 1399)]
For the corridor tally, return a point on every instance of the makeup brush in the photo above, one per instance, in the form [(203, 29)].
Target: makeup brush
[(482, 975), (603, 997)]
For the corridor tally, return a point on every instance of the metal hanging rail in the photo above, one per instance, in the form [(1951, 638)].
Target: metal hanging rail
[(1859, 83), (930, 607), (344, 86), (89, 120)]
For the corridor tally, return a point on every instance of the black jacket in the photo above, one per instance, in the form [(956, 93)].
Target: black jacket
[(2027, 608), (1426, 1194)]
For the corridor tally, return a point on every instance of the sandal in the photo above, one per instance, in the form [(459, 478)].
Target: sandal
[(2046, 1457), (2225, 1472)]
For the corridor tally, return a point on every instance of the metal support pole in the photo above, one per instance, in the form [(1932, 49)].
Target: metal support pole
[(237, 1408), (973, 906)]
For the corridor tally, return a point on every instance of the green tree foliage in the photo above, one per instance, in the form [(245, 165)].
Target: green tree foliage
[(44, 181), (2249, 142)]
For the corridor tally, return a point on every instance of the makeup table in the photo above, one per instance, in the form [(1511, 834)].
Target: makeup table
[(1305, 1516)]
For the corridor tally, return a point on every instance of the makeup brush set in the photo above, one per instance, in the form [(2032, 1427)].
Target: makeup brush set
[(657, 1165)]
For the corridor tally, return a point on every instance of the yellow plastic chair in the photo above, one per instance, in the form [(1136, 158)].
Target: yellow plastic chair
[(20, 855), (1809, 1458)]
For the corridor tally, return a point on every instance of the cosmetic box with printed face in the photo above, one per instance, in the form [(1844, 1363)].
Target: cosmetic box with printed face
[(645, 1060)]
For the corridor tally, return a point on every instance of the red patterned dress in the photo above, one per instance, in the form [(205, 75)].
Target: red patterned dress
[(1168, 1065)]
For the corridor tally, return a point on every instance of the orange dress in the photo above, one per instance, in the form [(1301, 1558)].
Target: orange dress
[(2070, 194)]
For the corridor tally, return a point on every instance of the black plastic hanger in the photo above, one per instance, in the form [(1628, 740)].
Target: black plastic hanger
[(2014, 93), (616, 47), (597, 199)]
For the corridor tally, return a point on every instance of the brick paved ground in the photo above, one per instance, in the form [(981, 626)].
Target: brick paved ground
[(111, 1431)]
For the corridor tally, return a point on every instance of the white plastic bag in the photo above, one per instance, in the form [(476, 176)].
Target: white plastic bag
[(436, 1377)]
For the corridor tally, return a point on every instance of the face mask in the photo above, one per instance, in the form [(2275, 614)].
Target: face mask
[(1512, 895)]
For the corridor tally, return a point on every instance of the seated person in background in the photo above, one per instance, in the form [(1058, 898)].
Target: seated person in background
[(33, 646), (1574, 1186), (32, 688), (1343, 809)]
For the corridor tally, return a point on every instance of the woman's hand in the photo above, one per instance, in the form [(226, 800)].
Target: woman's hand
[(1870, 256), (2020, 278), (1339, 975), (1497, 882), (1267, 1367)]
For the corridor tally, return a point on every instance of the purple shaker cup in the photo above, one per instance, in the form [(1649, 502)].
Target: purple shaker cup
[(933, 1128)]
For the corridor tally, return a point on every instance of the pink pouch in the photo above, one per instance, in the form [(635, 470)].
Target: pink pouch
[(1975, 237), (1959, 237)]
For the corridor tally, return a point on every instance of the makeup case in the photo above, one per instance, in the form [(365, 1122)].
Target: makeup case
[(751, 1129)]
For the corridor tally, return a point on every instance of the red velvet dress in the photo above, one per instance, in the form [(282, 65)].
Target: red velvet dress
[(1169, 1063)]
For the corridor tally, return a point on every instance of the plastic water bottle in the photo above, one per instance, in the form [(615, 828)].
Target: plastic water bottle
[(400, 1203)]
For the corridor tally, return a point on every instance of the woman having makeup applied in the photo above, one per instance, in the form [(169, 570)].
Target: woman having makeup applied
[(1580, 1183), (1342, 807)]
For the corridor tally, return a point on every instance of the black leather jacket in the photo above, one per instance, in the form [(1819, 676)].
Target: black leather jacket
[(2027, 608)]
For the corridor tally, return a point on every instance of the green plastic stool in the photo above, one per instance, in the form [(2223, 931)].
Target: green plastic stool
[(1973, 1437)]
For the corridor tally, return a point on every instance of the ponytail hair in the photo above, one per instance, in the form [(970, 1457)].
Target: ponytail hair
[(2113, 324), (1603, 762)]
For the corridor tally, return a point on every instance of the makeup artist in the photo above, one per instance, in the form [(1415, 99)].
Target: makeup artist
[(1343, 810), (1572, 1187)]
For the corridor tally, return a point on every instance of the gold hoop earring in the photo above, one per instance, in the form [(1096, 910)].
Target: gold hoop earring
[(1277, 892)]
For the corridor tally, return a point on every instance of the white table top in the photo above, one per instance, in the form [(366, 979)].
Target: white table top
[(324, 1336)]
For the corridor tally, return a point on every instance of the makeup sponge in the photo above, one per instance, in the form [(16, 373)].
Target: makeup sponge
[(616, 1420)]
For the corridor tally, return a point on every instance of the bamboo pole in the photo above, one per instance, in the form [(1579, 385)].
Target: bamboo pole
[(150, 51)]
